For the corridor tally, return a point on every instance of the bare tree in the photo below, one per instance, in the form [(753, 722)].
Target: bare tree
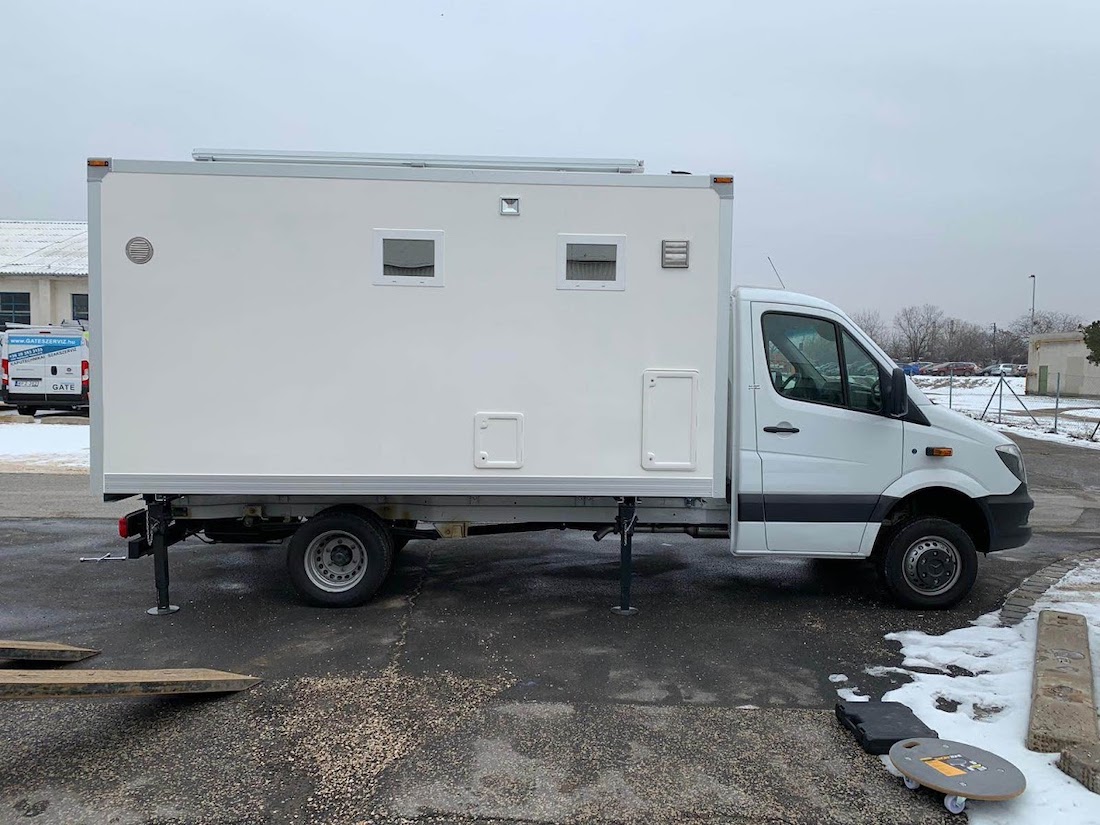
[(870, 321), (1046, 321), (964, 341), (918, 329)]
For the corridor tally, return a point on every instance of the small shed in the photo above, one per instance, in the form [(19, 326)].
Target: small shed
[(1061, 354)]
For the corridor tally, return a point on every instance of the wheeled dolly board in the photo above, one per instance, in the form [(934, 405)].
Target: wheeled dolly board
[(959, 771)]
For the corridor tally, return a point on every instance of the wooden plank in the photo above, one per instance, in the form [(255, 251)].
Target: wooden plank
[(43, 651), (60, 684)]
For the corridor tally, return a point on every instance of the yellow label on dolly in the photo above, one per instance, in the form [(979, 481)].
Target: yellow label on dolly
[(939, 765)]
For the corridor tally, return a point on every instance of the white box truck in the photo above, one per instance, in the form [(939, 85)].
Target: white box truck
[(479, 345)]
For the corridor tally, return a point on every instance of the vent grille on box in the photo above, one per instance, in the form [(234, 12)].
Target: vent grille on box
[(674, 254), (139, 250)]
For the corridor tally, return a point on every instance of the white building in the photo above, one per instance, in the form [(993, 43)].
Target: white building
[(43, 272), (1062, 353)]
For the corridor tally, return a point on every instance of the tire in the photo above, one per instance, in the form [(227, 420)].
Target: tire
[(339, 559), (26, 410), (928, 563), (398, 544)]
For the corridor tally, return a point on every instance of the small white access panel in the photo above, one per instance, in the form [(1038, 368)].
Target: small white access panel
[(498, 440), (669, 400)]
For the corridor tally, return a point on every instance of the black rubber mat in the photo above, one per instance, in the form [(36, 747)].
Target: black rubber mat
[(878, 725)]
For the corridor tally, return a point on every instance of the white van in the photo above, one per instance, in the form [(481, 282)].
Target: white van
[(44, 367), (498, 345)]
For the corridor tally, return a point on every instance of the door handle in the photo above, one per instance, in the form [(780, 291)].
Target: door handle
[(781, 429)]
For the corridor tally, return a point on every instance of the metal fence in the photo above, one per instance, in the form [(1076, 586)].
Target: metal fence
[(1004, 393)]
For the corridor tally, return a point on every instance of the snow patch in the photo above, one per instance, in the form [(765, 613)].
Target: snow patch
[(44, 446), (837, 677), (991, 707), (850, 695)]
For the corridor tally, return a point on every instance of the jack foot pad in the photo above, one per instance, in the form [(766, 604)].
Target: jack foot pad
[(162, 611), (624, 611)]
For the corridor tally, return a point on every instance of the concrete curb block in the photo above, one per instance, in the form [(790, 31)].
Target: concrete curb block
[(1063, 710), (1083, 764), (17, 419), (59, 419), (1034, 587)]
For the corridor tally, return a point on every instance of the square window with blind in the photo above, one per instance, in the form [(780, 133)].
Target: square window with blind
[(591, 262), (80, 307), (15, 307), (408, 257)]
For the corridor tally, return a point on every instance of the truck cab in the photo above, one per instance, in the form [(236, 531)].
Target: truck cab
[(831, 463)]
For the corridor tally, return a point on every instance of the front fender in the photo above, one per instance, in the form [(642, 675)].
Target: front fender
[(916, 480)]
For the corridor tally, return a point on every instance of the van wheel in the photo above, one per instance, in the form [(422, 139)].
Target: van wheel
[(339, 559), (928, 563), (26, 410)]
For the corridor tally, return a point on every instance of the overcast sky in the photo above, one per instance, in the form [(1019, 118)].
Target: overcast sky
[(885, 153)]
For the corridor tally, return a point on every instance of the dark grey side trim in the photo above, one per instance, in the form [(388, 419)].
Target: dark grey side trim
[(810, 508)]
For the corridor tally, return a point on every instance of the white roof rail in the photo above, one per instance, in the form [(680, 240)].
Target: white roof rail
[(529, 164)]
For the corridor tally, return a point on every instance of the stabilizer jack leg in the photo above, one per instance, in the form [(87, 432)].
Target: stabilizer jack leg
[(624, 526), (160, 518)]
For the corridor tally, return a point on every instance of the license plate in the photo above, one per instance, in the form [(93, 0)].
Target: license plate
[(25, 382), (62, 386)]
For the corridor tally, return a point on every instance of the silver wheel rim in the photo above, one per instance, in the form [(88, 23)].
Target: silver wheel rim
[(336, 561), (932, 565)]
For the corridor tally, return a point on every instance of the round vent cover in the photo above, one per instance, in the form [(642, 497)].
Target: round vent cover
[(139, 250)]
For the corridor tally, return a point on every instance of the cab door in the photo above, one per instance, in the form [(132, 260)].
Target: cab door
[(827, 451)]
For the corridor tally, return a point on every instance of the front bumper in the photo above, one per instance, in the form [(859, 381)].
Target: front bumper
[(1007, 518)]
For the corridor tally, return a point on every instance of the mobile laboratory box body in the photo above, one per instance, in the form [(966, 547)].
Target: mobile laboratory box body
[(476, 345)]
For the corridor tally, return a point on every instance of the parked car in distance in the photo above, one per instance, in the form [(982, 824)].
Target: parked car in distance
[(1019, 370), (914, 367), (1001, 369), (952, 368)]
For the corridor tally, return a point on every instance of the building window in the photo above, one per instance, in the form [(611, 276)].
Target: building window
[(408, 257), (15, 307), (591, 262), (80, 307)]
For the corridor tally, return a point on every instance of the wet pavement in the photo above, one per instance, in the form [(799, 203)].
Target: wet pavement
[(489, 682)]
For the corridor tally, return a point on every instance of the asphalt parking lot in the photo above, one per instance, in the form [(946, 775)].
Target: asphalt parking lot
[(488, 683)]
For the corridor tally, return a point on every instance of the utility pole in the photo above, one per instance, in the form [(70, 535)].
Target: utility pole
[(995, 358), (1033, 282)]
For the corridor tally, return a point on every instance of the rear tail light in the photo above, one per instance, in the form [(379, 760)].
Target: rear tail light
[(84, 378), (4, 372)]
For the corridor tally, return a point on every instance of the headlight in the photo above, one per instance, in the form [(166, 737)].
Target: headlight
[(1014, 460)]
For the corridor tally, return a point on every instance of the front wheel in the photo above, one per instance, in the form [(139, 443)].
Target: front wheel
[(339, 559), (928, 562)]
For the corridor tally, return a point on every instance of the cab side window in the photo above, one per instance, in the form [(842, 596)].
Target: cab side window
[(814, 360), (864, 382), (803, 358)]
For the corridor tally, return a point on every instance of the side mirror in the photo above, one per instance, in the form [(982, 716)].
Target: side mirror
[(895, 401)]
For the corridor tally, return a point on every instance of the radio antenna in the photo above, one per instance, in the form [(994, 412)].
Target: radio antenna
[(776, 271)]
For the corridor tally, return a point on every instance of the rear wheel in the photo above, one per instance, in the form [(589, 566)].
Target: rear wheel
[(339, 559), (26, 410), (928, 562)]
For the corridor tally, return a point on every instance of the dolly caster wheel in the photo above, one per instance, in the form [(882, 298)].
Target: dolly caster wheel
[(911, 784), (955, 804)]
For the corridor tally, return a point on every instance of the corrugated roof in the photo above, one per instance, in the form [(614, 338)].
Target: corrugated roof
[(43, 248)]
